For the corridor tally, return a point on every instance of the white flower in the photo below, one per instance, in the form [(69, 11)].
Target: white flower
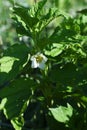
[(38, 61)]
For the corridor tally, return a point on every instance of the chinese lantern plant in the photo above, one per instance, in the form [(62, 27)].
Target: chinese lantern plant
[(47, 78)]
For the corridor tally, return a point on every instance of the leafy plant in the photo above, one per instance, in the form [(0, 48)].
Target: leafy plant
[(44, 82)]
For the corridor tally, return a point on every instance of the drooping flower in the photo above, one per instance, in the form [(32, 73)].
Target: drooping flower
[(38, 61)]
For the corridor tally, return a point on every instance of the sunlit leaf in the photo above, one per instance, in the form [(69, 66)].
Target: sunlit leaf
[(61, 113), (12, 62), (56, 50)]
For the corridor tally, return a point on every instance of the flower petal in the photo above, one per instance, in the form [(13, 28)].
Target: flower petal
[(44, 58), (34, 64), (41, 66)]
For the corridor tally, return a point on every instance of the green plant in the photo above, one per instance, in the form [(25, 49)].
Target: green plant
[(45, 82)]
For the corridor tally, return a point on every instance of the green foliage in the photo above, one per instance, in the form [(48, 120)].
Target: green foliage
[(38, 79), (31, 22), (62, 114), (12, 62), (16, 100)]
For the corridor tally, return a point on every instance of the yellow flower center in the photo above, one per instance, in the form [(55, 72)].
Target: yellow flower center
[(39, 58)]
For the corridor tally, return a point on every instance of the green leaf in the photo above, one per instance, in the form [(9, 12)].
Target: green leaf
[(21, 28), (46, 16), (23, 14), (37, 9), (18, 123), (64, 75), (3, 102), (7, 63), (34, 20), (83, 11), (12, 62), (17, 94), (56, 49), (15, 99), (68, 74), (61, 113)]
